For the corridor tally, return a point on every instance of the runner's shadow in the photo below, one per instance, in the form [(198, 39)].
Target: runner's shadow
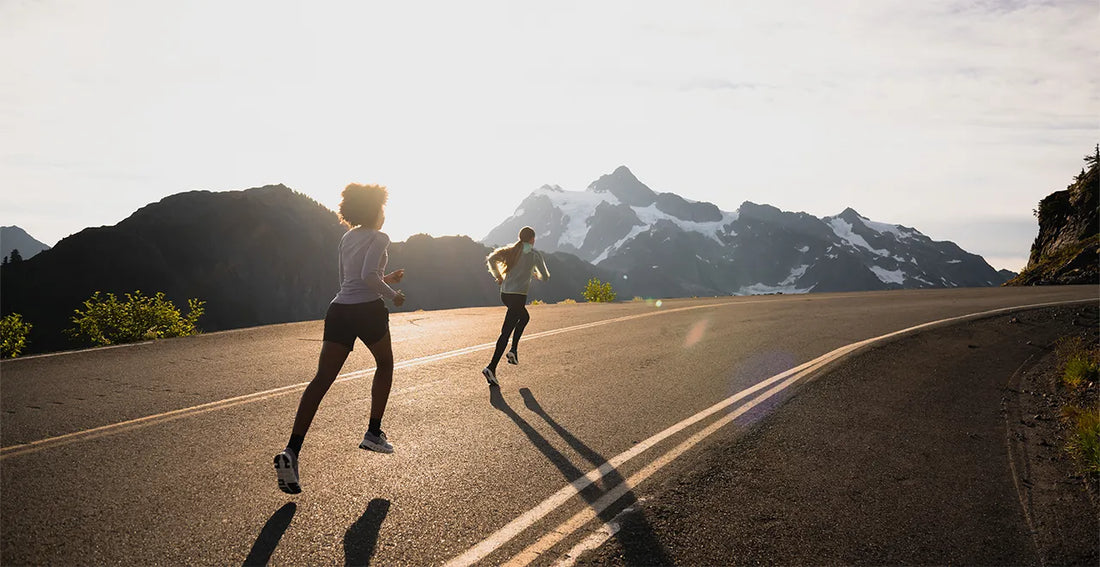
[(642, 546), (362, 537), (270, 535)]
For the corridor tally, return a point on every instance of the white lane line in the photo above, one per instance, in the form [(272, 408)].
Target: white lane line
[(604, 533), (533, 551), (556, 500), (113, 428)]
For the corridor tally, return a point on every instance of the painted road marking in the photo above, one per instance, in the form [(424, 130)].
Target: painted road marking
[(556, 500), (172, 415)]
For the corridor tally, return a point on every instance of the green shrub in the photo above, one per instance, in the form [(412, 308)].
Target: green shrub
[(569, 301), (1080, 363), (538, 302), (598, 292), (13, 335), (1084, 437), (106, 320)]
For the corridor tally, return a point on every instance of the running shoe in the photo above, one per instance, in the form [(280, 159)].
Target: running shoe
[(512, 356), (286, 469), (376, 442), (490, 376)]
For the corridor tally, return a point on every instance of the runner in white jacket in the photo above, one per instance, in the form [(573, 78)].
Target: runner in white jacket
[(513, 266)]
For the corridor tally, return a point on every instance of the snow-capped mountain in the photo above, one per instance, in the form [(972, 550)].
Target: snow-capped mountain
[(666, 244)]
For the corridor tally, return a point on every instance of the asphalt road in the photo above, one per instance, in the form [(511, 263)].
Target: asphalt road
[(160, 453)]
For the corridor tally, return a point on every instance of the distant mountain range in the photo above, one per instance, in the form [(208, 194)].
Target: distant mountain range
[(256, 257), (269, 255), (15, 238), (669, 245)]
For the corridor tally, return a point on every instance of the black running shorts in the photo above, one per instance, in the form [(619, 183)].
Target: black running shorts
[(368, 321)]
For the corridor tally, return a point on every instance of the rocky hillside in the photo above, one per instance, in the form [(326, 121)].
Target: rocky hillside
[(259, 256), (1067, 248), (668, 245)]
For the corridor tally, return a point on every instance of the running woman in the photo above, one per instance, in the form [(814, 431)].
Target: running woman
[(513, 266), (357, 311)]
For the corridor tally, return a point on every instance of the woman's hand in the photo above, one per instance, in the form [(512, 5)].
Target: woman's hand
[(399, 299), (394, 276)]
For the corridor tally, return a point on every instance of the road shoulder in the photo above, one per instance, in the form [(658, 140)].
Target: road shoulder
[(906, 453)]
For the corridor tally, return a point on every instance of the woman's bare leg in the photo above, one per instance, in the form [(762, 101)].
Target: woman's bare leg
[(329, 364), (383, 376)]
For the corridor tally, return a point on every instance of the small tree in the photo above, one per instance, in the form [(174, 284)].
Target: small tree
[(16, 256), (13, 335), (106, 320), (598, 292)]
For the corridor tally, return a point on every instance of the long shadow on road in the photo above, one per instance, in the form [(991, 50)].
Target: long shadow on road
[(270, 535), (642, 548), (362, 537)]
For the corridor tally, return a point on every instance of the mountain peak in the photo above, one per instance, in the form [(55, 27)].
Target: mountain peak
[(624, 171), (850, 215), (623, 185), (15, 238)]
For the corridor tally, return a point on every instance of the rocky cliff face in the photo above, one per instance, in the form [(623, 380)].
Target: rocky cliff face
[(1067, 248)]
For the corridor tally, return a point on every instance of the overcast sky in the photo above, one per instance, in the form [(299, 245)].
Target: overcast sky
[(953, 117)]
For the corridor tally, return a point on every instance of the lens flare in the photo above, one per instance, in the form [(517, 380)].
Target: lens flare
[(695, 334)]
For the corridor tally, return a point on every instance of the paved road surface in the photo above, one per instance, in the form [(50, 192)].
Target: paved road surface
[(161, 452)]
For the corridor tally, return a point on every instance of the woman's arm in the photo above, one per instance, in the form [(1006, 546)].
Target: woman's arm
[(372, 267), (540, 267), (493, 269)]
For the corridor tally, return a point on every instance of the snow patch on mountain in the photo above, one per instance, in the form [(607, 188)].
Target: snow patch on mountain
[(651, 215), (578, 206), (883, 228), (787, 286), (611, 249), (843, 230), (889, 276)]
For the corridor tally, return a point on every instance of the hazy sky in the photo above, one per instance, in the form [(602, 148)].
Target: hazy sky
[(954, 117)]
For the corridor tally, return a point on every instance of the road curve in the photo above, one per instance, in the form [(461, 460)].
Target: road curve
[(161, 452)]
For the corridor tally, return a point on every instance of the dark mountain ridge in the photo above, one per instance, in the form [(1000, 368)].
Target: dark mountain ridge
[(259, 256), (251, 255)]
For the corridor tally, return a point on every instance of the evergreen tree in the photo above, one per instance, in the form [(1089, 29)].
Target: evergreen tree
[(1092, 160), (16, 256)]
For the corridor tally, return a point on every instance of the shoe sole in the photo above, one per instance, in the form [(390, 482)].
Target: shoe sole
[(512, 358), (288, 479), (488, 374), (376, 448)]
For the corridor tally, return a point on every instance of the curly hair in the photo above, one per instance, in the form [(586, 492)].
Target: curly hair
[(360, 205)]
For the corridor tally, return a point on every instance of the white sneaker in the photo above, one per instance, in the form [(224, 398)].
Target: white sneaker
[(286, 470), (490, 376), (376, 442), (512, 357)]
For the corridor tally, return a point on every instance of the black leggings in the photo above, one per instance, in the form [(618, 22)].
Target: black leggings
[(514, 321)]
